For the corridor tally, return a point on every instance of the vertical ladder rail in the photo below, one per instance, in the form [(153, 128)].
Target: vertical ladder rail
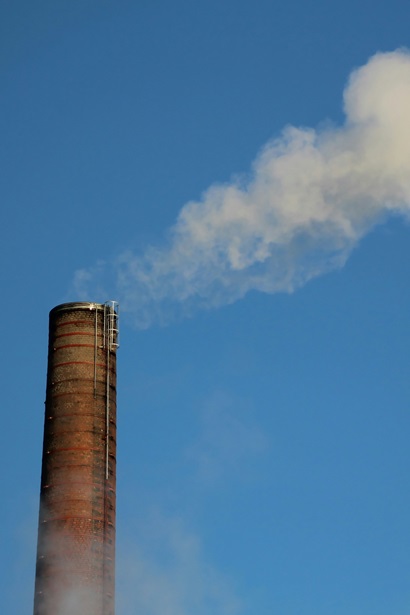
[(111, 336), (95, 352), (110, 345), (107, 414)]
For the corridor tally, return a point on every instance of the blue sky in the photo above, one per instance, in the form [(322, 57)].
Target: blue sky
[(263, 443)]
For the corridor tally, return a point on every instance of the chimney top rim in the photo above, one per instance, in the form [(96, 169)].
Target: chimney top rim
[(77, 305)]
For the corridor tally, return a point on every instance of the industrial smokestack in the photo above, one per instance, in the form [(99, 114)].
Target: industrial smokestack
[(76, 537)]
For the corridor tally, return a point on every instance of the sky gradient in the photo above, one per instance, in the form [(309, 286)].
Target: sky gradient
[(263, 454)]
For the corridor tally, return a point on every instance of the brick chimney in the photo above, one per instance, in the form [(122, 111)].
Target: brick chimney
[(76, 537)]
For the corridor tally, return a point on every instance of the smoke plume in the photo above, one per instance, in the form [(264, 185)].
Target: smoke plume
[(311, 195)]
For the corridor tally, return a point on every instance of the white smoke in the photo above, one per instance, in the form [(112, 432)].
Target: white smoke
[(311, 196), (166, 573), (70, 584)]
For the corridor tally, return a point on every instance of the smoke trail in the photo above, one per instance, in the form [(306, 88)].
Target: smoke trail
[(311, 196)]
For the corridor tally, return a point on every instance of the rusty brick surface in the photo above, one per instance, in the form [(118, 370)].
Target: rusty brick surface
[(76, 539)]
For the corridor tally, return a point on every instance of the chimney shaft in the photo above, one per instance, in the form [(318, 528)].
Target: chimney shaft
[(76, 537)]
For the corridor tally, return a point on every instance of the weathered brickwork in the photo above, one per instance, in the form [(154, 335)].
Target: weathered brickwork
[(76, 541)]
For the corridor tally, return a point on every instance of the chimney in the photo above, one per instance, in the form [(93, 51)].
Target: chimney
[(76, 537)]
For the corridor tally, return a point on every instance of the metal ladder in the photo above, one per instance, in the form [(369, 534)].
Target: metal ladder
[(110, 343), (111, 330)]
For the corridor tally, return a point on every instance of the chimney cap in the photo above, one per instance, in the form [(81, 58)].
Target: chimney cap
[(77, 305)]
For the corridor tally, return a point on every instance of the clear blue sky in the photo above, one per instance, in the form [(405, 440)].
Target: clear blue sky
[(263, 454)]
